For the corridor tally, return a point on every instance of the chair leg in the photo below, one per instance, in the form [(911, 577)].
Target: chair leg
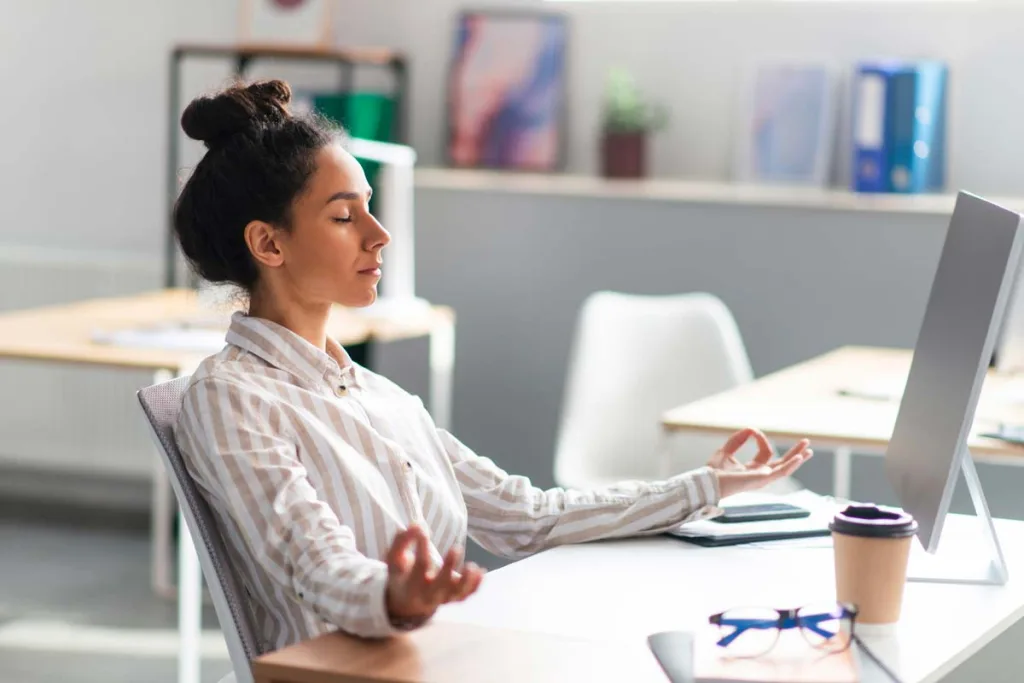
[(162, 521), (190, 602)]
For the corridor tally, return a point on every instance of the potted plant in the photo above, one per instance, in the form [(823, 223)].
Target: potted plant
[(628, 119)]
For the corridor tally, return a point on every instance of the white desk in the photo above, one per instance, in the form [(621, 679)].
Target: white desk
[(629, 589)]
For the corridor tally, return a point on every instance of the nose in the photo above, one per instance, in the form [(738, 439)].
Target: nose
[(376, 236)]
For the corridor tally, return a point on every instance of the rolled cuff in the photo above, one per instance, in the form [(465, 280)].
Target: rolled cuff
[(703, 494)]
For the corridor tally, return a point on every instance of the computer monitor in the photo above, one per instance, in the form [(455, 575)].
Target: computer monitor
[(928, 449), (1009, 354)]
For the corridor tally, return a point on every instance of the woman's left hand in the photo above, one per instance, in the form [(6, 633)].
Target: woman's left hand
[(766, 467)]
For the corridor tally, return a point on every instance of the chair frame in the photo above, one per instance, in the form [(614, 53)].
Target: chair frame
[(226, 588)]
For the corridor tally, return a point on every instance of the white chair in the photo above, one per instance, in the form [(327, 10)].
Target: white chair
[(633, 358), (161, 403)]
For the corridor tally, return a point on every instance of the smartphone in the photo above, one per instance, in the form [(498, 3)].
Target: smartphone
[(760, 513)]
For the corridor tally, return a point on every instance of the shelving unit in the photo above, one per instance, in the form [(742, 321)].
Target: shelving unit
[(243, 55), (682, 190)]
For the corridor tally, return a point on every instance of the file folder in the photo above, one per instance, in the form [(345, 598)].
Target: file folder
[(899, 127)]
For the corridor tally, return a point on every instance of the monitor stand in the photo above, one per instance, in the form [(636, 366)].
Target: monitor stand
[(969, 551)]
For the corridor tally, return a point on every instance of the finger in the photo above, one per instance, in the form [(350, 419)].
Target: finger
[(465, 585), (801, 447), (787, 466), (444, 582), (765, 449), (736, 441), (398, 555), (418, 575), (472, 577)]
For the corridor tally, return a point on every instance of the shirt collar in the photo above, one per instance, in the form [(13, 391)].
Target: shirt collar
[(282, 348)]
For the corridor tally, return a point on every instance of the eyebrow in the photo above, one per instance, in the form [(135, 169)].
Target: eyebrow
[(347, 195)]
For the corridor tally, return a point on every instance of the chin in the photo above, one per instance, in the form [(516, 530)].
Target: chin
[(361, 300)]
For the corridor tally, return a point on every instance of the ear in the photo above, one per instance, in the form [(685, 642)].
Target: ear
[(263, 240)]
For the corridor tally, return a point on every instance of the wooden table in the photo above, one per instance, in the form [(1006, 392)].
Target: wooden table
[(449, 652), (68, 334), (584, 612), (846, 399)]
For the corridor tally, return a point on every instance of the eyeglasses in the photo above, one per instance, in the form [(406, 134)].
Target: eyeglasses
[(753, 631)]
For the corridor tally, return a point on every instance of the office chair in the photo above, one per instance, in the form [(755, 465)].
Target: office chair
[(161, 403), (633, 358)]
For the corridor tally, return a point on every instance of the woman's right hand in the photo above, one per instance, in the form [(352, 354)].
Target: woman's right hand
[(415, 592)]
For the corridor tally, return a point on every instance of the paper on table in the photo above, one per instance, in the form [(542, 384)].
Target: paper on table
[(889, 389), (822, 510), (172, 337), (695, 657)]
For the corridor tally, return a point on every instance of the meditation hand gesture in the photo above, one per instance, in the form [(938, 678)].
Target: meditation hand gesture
[(766, 467), (415, 592)]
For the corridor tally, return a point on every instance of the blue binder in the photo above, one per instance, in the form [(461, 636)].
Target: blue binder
[(871, 126), (918, 130), (900, 127)]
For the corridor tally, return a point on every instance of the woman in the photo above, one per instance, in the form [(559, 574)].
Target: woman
[(341, 503)]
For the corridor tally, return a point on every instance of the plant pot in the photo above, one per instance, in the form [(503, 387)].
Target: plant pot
[(624, 155)]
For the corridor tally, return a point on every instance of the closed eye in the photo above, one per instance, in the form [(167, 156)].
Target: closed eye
[(342, 219)]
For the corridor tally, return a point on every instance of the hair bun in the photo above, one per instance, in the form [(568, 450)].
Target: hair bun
[(213, 119)]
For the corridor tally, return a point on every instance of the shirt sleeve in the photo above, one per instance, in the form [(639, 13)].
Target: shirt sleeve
[(238, 449), (512, 518)]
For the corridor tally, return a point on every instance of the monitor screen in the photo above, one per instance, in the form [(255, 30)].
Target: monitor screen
[(955, 343)]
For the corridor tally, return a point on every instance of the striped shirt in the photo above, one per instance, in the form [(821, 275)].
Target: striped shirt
[(312, 464)]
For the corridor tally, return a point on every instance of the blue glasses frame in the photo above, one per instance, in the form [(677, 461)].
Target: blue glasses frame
[(786, 619)]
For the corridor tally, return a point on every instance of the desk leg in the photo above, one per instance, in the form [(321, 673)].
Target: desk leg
[(190, 601), (842, 468), (161, 519), (442, 368)]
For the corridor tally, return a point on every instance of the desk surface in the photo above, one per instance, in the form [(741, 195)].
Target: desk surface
[(65, 333), (805, 400), (584, 613), (623, 591)]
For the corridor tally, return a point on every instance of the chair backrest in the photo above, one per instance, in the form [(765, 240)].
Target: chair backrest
[(633, 358), (162, 403)]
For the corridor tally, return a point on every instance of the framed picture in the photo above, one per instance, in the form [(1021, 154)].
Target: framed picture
[(294, 22), (506, 103), (787, 124)]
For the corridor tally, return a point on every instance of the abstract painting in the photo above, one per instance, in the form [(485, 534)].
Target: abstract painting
[(506, 91)]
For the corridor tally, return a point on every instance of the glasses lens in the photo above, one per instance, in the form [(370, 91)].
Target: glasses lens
[(749, 631), (827, 627)]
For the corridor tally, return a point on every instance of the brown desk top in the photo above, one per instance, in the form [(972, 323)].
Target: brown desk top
[(805, 400), (64, 333), (456, 653)]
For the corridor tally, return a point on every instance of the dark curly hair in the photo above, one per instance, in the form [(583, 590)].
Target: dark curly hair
[(259, 158)]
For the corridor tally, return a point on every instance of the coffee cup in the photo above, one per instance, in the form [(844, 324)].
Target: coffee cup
[(872, 548)]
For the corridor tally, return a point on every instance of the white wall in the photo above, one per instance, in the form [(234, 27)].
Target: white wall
[(83, 126), (692, 56), (82, 140)]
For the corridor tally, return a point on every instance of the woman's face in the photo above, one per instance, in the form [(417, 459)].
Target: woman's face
[(332, 253)]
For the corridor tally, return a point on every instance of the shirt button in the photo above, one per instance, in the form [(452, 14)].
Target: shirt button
[(340, 390)]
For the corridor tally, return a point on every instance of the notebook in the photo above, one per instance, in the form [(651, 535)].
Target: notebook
[(707, 532), (689, 658)]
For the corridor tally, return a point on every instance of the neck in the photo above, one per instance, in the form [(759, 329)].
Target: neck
[(308, 320)]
